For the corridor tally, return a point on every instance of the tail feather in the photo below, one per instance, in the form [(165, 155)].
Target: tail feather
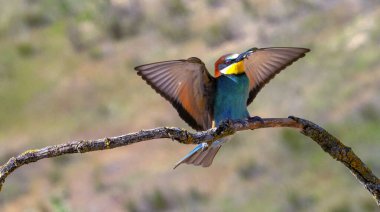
[(207, 161), (193, 158), (200, 157)]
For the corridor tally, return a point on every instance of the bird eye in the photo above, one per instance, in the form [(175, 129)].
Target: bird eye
[(227, 62)]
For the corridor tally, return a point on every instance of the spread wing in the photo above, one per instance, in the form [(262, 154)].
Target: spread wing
[(263, 64), (187, 85)]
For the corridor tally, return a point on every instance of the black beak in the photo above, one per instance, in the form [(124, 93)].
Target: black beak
[(244, 55)]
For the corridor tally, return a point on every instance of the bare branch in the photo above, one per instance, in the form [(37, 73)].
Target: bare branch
[(328, 143)]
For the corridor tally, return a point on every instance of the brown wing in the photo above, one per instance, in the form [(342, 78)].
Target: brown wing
[(187, 85), (263, 64)]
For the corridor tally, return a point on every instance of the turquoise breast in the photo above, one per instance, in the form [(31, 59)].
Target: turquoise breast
[(231, 97)]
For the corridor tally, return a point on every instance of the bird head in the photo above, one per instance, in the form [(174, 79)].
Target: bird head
[(230, 64)]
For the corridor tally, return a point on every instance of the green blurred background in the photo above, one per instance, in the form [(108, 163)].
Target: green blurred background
[(66, 73)]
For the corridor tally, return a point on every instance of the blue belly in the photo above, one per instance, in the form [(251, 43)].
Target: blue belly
[(231, 97)]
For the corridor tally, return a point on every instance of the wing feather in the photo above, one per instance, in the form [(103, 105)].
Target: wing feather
[(263, 64), (187, 85)]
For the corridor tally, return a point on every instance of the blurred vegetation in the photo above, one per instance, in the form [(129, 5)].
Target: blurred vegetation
[(66, 72)]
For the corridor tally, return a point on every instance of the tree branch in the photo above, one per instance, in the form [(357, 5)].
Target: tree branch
[(328, 143)]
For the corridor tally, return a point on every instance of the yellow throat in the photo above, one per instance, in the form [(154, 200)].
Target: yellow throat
[(235, 68)]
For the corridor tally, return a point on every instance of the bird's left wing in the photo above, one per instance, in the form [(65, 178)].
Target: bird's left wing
[(261, 65), (187, 85)]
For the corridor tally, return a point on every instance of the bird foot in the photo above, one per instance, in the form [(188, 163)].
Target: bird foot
[(256, 119)]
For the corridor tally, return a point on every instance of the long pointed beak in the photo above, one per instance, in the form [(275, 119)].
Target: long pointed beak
[(245, 54)]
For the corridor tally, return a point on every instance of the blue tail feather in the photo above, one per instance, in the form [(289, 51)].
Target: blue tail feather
[(199, 147)]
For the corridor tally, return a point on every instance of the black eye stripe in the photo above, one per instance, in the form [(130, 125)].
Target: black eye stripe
[(222, 66)]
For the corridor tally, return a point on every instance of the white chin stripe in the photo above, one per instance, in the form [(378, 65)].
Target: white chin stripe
[(224, 70)]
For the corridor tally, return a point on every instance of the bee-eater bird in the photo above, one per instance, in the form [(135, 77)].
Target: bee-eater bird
[(203, 101)]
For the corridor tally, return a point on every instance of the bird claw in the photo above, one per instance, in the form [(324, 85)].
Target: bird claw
[(242, 122), (256, 119)]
